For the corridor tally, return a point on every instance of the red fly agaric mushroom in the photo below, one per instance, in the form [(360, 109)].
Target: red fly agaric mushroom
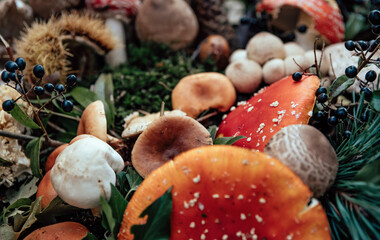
[(59, 231), (217, 48), (283, 103), (226, 192), (202, 91), (46, 191), (125, 8), (164, 139), (321, 18)]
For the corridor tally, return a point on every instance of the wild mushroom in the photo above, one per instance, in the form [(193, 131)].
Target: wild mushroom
[(59, 231), (171, 22), (217, 48), (123, 8), (246, 75), (322, 18), (84, 170), (294, 64), (225, 192), (134, 125), (273, 70), (285, 102), (164, 139), (310, 61), (308, 153), (199, 92), (93, 121), (265, 46), (46, 191), (238, 54), (293, 49), (53, 156)]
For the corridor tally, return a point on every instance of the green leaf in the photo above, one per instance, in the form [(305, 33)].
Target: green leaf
[(108, 222), (19, 203), (26, 190), (212, 130), (355, 23), (57, 207), (375, 101), (5, 163), (228, 140), (104, 89), (34, 147), (35, 209), (134, 181), (157, 226), (18, 114), (340, 84), (90, 236)]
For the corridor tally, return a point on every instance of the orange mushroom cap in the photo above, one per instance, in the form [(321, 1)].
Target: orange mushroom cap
[(93, 121), (46, 190), (59, 231), (326, 14), (53, 155), (199, 92), (226, 192), (285, 102), (216, 47)]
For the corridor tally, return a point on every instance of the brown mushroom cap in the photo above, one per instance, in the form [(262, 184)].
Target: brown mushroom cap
[(46, 191), (93, 121), (264, 46), (164, 139), (308, 153), (170, 22), (59, 231), (217, 48), (199, 92), (53, 155)]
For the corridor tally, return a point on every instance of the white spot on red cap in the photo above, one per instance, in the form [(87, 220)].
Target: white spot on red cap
[(232, 108), (249, 139), (262, 200), (225, 237), (215, 196), (192, 225), (244, 162), (197, 179), (242, 216), (250, 109), (274, 104), (258, 218), (203, 236), (240, 197)]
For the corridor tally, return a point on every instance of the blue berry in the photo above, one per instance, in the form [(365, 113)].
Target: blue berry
[(351, 71), (10, 66), (5, 76), (38, 90), (297, 76), (67, 106), (320, 115), (375, 29), (363, 45), (21, 63), (60, 88), (322, 98), (332, 121), (71, 80), (302, 29), (320, 90), (350, 45), (370, 76), (367, 93), (8, 105), (347, 134), (244, 20), (374, 17), (12, 76), (341, 113), (38, 71), (372, 45), (49, 87)]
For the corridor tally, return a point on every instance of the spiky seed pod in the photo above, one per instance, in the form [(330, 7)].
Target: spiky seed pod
[(60, 44)]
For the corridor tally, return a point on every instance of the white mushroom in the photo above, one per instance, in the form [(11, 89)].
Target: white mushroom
[(294, 64), (84, 171), (246, 75), (264, 46), (310, 60), (293, 49), (118, 55), (273, 70), (238, 54), (308, 153)]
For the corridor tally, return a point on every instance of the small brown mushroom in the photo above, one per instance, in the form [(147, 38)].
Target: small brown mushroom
[(217, 48), (273, 70), (93, 121), (164, 139), (246, 75), (308, 153), (199, 92), (265, 46)]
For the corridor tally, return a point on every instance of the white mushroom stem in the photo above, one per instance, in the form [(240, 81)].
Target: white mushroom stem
[(84, 171), (118, 55)]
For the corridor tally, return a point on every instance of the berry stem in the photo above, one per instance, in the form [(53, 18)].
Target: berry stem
[(315, 57), (16, 135), (8, 47), (60, 115), (50, 100)]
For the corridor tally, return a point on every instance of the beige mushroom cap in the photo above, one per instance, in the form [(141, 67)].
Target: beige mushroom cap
[(310, 60), (291, 64), (264, 46), (238, 54), (170, 22), (293, 49), (273, 70), (246, 75), (308, 153), (93, 121), (199, 92), (164, 139)]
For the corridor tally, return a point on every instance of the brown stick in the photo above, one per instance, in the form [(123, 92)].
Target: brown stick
[(8, 47)]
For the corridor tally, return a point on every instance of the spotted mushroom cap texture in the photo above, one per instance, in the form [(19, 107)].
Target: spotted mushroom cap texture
[(285, 102), (308, 153), (328, 19), (164, 139), (59, 231), (202, 91), (226, 192)]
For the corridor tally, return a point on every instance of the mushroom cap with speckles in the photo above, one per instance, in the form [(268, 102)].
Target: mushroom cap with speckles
[(285, 102), (228, 191), (308, 153), (93, 121), (202, 91), (164, 139), (59, 231)]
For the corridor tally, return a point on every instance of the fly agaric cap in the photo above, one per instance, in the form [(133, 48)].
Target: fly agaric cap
[(46, 191), (308, 153), (84, 170), (125, 8), (202, 91), (59, 231), (321, 18), (93, 121), (226, 192), (164, 139), (285, 102)]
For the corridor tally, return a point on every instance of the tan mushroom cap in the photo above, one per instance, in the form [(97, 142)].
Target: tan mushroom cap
[(246, 75), (164, 139), (199, 92), (265, 46), (93, 121)]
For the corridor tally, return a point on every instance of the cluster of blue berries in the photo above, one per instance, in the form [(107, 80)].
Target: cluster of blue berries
[(11, 74)]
